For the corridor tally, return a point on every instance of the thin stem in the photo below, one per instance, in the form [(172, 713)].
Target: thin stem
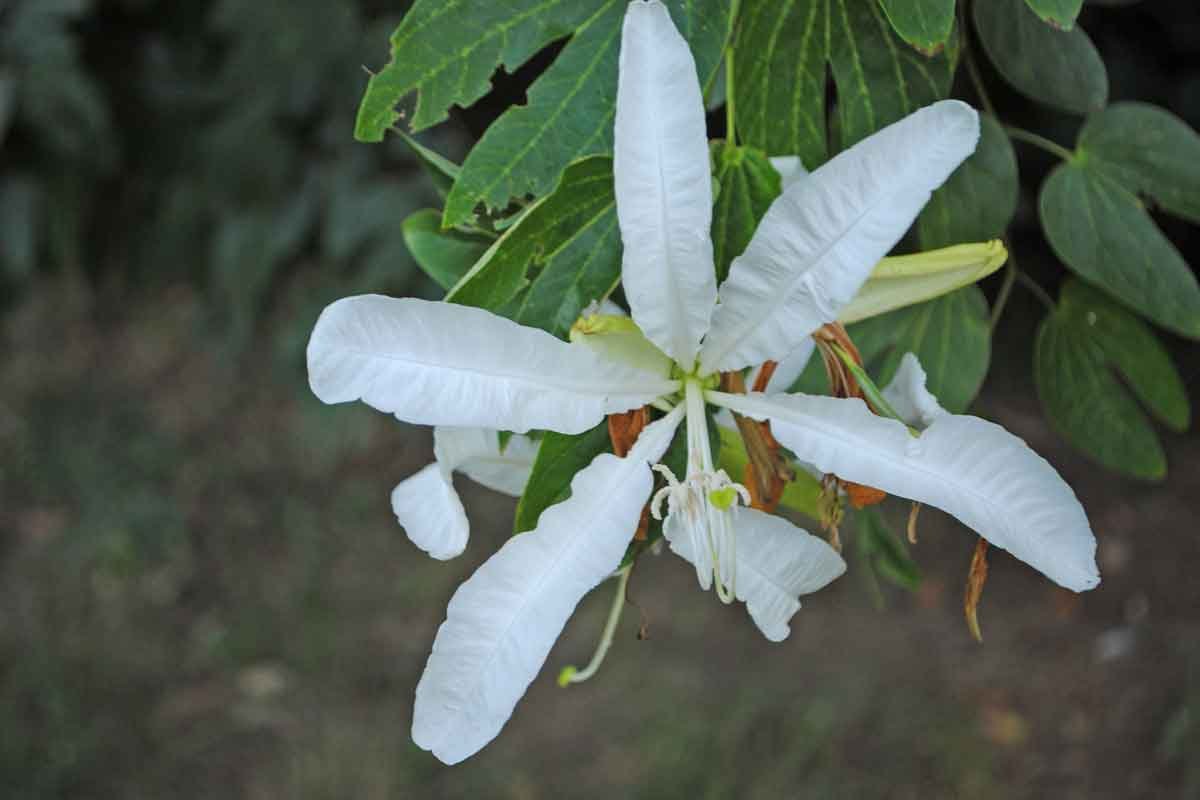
[(730, 115), (1037, 290), (571, 675), (976, 77), (1010, 278), (1029, 137)]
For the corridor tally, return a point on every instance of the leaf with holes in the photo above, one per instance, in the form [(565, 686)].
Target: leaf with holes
[(447, 50), (564, 253), (1080, 349), (1058, 67), (1101, 231), (571, 108)]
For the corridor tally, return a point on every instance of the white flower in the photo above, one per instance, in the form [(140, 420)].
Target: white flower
[(442, 364), (426, 504)]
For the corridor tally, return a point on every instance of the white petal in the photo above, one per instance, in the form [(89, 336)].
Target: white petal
[(663, 184), (908, 396), (820, 239), (973, 469), (476, 453), (777, 562), (502, 622), (790, 168), (437, 363), (432, 515)]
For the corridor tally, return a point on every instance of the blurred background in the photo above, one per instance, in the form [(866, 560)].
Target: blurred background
[(203, 591)]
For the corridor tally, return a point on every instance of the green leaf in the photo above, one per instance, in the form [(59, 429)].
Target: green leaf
[(564, 253), (879, 79), (949, 335), (1080, 349), (779, 77), (447, 50), (925, 24), (445, 256), (1058, 67), (979, 200), (441, 170), (1058, 13), (571, 108), (884, 551), (748, 184), (1147, 150), (559, 457), (1101, 231), (780, 59)]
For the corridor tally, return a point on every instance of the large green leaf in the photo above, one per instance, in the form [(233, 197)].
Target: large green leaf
[(571, 108), (979, 199), (559, 457), (563, 254), (925, 24), (1080, 348), (1058, 67), (879, 79), (1147, 150), (779, 77), (1059, 13), (447, 50), (444, 255), (780, 68), (1101, 231), (748, 183)]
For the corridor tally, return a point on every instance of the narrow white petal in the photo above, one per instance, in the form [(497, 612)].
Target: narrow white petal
[(820, 240), (908, 396), (790, 168), (973, 469), (663, 184), (437, 363), (476, 453), (428, 508), (777, 562), (502, 622)]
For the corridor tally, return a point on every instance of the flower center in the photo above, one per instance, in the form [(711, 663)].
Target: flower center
[(701, 508)]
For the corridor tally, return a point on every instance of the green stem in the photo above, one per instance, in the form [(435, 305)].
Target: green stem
[(730, 115), (571, 675), (1038, 292), (1029, 137), (973, 71), (1010, 278), (866, 384)]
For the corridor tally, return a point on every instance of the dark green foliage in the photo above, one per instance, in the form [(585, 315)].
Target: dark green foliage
[(1058, 67), (1081, 349)]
